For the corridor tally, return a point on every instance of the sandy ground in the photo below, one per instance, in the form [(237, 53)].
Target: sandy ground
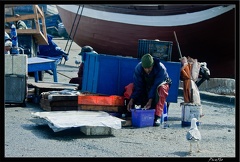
[(23, 138)]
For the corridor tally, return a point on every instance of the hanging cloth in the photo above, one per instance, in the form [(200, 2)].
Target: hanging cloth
[(186, 78)]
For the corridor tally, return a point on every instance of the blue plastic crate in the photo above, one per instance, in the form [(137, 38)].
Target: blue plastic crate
[(107, 74), (142, 118)]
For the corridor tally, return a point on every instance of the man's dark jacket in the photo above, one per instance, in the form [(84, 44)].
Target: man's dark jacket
[(143, 81)]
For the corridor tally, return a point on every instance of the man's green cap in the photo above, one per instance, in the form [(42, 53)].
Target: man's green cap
[(147, 61)]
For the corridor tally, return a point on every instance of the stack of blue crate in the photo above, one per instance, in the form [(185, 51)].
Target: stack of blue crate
[(108, 74)]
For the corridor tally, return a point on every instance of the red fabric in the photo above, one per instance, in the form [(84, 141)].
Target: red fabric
[(186, 77), (128, 91), (163, 93)]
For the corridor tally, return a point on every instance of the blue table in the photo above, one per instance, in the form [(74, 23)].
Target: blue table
[(36, 64)]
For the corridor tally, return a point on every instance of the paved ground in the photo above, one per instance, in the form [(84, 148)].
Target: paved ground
[(25, 138)]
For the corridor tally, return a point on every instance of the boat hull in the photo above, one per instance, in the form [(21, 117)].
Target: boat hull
[(211, 41)]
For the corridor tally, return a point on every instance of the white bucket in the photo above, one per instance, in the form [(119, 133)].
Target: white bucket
[(190, 111)]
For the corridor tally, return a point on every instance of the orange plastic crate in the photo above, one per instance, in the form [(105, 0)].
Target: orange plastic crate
[(112, 100)]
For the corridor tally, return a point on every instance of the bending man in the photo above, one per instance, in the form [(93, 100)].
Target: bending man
[(151, 86)]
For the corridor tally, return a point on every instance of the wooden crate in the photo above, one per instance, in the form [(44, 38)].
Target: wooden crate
[(102, 108), (58, 105)]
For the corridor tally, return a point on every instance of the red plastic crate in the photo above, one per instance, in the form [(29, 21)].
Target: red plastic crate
[(112, 100)]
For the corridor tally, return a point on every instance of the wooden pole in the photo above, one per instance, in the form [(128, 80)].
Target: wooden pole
[(178, 45)]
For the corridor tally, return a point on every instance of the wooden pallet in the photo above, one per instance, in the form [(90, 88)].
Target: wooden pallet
[(59, 103), (40, 87), (102, 108)]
